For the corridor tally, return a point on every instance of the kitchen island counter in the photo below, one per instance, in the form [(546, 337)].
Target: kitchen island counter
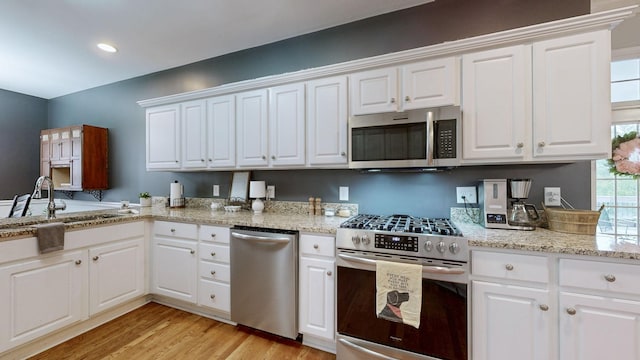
[(547, 241)]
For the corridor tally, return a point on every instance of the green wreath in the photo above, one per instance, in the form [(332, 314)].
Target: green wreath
[(620, 164)]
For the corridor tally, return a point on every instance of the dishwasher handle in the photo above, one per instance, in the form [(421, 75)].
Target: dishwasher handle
[(261, 239)]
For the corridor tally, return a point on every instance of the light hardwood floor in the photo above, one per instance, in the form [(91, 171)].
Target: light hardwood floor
[(158, 332)]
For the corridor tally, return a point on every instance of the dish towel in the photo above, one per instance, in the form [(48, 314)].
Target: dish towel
[(399, 292), (50, 237)]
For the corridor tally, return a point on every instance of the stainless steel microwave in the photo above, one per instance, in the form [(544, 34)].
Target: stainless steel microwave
[(426, 138)]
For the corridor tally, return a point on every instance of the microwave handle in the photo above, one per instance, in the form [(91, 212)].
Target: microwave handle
[(429, 269), (430, 137)]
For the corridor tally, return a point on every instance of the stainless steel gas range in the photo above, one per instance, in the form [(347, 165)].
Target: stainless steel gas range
[(440, 248)]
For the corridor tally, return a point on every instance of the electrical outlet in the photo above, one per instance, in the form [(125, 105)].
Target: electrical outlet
[(469, 194), (271, 191), (344, 193), (216, 190), (552, 196)]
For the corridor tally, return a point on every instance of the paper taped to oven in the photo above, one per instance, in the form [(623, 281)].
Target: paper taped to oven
[(399, 292)]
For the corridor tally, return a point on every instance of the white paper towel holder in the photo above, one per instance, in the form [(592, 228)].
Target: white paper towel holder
[(176, 197)]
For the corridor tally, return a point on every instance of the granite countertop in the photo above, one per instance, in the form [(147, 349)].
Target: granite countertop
[(548, 241)]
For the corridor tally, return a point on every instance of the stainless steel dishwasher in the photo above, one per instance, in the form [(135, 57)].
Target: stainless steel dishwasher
[(264, 279)]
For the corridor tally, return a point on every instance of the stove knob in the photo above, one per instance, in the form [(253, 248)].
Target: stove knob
[(365, 240), (454, 248), (355, 239), (428, 246), (441, 247)]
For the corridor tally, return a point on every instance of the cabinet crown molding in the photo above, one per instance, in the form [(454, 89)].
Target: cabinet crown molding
[(601, 20)]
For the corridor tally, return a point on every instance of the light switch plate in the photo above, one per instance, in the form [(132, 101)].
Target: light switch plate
[(271, 191), (216, 190), (552, 196), (344, 193)]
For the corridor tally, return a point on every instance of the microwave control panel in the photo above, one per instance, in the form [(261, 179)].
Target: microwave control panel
[(396, 242), (445, 139)]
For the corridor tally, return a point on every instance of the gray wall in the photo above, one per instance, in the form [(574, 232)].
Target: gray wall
[(21, 119), (114, 106)]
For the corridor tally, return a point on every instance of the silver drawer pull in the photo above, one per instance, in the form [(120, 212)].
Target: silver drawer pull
[(509, 267), (95, 258), (213, 235), (610, 277), (78, 262), (315, 246), (192, 251), (213, 272), (544, 307), (571, 311), (173, 230), (212, 296), (213, 254)]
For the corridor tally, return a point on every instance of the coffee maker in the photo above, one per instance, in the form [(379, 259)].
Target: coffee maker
[(502, 204)]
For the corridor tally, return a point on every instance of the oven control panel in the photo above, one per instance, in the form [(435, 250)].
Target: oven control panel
[(396, 242)]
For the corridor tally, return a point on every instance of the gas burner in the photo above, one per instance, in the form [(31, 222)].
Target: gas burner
[(402, 223)]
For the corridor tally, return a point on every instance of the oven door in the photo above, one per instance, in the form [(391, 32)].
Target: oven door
[(443, 317)]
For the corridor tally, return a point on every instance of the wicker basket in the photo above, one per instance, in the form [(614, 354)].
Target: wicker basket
[(573, 221)]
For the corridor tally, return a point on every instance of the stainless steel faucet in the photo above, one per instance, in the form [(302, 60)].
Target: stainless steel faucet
[(51, 207)]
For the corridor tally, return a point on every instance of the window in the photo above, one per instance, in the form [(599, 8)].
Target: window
[(619, 193)]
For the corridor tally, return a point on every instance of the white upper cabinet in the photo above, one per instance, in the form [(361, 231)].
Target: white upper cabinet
[(496, 113), (252, 133), (163, 137), (221, 131), (327, 121), (420, 85), (286, 125), (194, 134), (571, 97)]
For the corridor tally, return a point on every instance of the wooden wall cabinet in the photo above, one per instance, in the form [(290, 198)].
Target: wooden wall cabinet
[(76, 157)]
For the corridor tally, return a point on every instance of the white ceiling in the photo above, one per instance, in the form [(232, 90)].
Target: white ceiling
[(48, 47)]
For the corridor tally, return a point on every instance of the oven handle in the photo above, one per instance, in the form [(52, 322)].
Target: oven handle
[(430, 269), (364, 350)]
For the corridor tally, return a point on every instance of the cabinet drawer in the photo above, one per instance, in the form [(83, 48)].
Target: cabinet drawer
[(215, 271), (510, 266), (178, 230), (214, 295), (214, 233), (214, 252), (596, 275), (317, 245)]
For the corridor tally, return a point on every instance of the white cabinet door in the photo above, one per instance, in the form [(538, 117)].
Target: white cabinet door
[(317, 281), (571, 96), (194, 134), (286, 125), (510, 322), (175, 271), (40, 296), (116, 274), (221, 131), (374, 91), (595, 327), (252, 132), (163, 137), (430, 84), (327, 121), (496, 113)]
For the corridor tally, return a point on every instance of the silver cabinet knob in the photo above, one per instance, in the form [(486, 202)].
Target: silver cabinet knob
[(192, 251), (213, 254), (95, 258), (509, 267), (571, 311), (173, 230), (202, 160), (264, 157), (210, 160), (78, 262), (610, 277), (520, 145), (212, 296), (213, 272), (544, 307), (315, 246), (273, 157), (177, 161), (407, 98), (393, 100), (329, 273), (541, 144), (213, 235), (343, 154)]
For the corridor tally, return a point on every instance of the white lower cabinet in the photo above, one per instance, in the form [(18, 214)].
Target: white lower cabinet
[(511, 303), (214, 289), (116, 274), (42, 295), (175, 260), (317, 286), (599, 311)]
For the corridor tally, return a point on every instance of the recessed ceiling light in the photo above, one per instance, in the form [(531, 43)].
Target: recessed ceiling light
[(107, 48)]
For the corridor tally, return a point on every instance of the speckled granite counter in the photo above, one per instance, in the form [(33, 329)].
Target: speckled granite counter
[(548, 241)]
